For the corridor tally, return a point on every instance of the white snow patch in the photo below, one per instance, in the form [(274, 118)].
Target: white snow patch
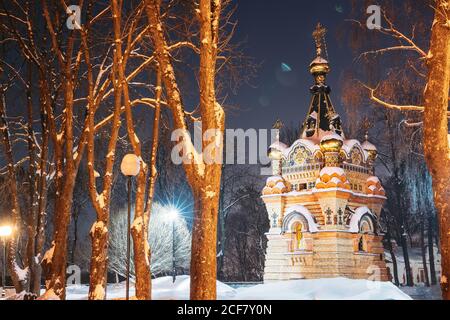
[(332, 170), (373, 179), (323, 289), (280, 185), (21, 273), (366, 145), (356, 217), (138, 223), (278, 146), (99, 225), (273, 179), (101, 200), (316, 289), (332, 136)]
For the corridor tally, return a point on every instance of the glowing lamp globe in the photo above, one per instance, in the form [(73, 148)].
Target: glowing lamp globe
[(5, 231), (131, 165)]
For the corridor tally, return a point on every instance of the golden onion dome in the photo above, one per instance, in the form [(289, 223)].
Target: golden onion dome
[(276, 150), (370, 149), (319, 66), (275, 154), (331, 143)]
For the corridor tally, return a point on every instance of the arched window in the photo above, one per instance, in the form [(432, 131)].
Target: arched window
[(366, 225), (361, 244), (297, 239)]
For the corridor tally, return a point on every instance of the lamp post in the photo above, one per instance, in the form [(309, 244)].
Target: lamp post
[(5, 232), (172, 216), (130, 168)]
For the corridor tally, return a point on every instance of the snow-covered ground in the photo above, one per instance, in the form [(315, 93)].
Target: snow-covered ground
[(323, 289), (422, 292), (320, 289)]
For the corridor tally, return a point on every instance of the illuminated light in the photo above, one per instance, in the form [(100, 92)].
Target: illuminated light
[(131, 165), (172, 213), (5, 231)]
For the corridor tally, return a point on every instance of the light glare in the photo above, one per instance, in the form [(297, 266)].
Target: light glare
[(5, 231)]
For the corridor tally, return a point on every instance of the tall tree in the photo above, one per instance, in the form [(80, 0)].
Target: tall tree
[(435, 111), (203, 175)]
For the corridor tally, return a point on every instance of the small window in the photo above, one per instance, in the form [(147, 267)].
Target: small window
[(360, 188)]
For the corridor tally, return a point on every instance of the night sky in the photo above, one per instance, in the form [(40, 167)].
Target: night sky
[(277, 33)]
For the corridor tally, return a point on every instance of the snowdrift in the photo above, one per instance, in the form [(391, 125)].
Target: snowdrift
[(317, 289), (323, 289)]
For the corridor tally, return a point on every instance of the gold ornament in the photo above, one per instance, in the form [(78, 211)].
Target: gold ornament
[(300, 156), (356, 157), (331, 145)]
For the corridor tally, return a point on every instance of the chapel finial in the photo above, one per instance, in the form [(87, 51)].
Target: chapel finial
[(278, 124), (319, 66), (319, 36), (366, 125)]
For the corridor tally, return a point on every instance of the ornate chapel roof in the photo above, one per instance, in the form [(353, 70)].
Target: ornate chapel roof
[(322, 118)]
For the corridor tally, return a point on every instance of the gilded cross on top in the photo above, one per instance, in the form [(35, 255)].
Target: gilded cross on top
[(318, 35)]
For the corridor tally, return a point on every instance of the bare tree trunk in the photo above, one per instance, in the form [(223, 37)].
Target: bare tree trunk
[(393, 257), (203, 177), (431, 251), (408, 271), (423, 251), (36, 275), (14, 268), (33, 194), (436, 145), (204, 252), (55, 259)]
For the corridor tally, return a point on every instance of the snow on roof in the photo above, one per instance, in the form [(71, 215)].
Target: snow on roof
[(304, 212), (336, 180), (349, 144), (278, 145), (274, 179), (373, 179), (332, 136), (356, 217), (332, 170), (366, 145), (308, 144), (318, 60), (280, 185)]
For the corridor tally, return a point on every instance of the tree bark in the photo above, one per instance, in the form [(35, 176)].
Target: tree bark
[(436, 145)]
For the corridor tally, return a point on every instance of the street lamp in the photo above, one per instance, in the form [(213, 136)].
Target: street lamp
[(130, 168), (5, 232), (172, 216)]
